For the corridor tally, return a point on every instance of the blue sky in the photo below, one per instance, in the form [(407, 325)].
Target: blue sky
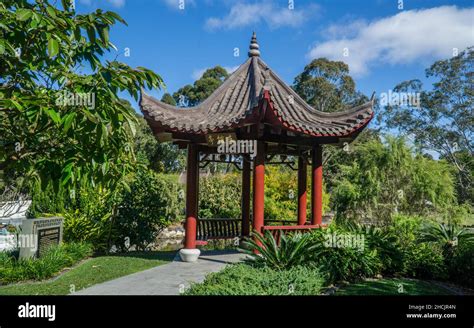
[(382, 43)]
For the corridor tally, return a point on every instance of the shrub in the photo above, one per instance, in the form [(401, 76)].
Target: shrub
[(420, 259), (281, 194), (461, 266), (424, 261), (151, 204), (293, 250), (52, 262), (243, 279), (220, 196), (344, 262), (90, 220), (81, 228), (384, 243), (388, 177), (449, 237), (46, 202)]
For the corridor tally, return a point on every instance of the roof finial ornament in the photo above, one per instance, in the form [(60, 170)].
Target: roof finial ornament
[(254, 52)]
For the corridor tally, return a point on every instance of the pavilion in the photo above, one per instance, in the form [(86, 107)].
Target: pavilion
[(255, 105)]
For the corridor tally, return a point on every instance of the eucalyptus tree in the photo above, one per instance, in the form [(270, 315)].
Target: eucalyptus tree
[(191, 95), (443, 120)]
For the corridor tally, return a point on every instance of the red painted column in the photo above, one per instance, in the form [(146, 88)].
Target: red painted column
[(258, 187), (192, 181), (317, 185), (302, 171), (246, 195)]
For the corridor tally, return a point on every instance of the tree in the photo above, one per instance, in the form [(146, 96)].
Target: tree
[(386, 178), (191, 95), (57, 123), (168, 99), (160, 157), (327, 86), (443, 120)]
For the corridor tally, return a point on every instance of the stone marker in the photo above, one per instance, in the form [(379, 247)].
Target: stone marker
[(37, 235)]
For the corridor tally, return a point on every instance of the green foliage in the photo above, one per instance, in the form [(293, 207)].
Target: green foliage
[(344, 262), (420, 259), (443, 120), (293, 250), (242, 279), (79, 227), (151, 204), (88, 218), (425, 261), (387, 178), (44, 134), (447, 236), (55, 259), (46, 202), (137, 212), (456, 246), (281, 194), (168, 99), (202, 88), (461, 266), (384, 242), (327, 86), (220, 196), (160, 157)]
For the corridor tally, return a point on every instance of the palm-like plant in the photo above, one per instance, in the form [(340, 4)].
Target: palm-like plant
[(448, 236), (292, 250)]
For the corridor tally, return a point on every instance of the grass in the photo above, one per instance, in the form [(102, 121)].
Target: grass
[(91, 272), (393, 286)]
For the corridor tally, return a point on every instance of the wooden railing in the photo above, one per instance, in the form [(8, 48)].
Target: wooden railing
[(218, 228)]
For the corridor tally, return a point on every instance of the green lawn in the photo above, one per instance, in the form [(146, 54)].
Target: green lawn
[(91, 272), (393, 286)]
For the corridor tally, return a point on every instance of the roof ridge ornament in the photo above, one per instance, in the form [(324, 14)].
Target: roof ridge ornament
[(254, 47)]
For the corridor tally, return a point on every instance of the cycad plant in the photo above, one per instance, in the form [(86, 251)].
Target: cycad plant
[(448, 236), (381, 240), (292, 250)]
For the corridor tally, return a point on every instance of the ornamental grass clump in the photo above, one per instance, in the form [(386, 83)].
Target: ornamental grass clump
[(55, 259)]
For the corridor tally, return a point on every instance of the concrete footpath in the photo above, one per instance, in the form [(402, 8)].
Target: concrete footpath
[(167, 279)]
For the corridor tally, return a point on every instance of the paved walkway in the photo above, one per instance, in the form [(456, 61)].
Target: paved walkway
[(167, 279)]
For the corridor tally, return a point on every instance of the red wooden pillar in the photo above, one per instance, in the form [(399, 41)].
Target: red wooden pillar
[(317, 185), (246, 195), (192, 181), (302, 190), (258, 187)]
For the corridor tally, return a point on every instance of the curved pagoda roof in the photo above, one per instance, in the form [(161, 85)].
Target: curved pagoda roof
[(254, 94)]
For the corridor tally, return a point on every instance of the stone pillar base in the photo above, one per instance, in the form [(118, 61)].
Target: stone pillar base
[(189, 254)]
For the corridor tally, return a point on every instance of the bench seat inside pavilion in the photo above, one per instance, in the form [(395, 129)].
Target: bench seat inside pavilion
[(252, 104)]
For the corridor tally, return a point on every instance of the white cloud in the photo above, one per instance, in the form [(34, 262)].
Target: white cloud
[(400, 39), (115, 3), (245, 14), (197, 74)]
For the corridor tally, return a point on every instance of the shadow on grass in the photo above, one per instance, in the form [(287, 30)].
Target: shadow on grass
[(148, 255), (393, 286)]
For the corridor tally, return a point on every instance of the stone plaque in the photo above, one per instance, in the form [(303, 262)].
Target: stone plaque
[(37, 235), (46, 238)]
